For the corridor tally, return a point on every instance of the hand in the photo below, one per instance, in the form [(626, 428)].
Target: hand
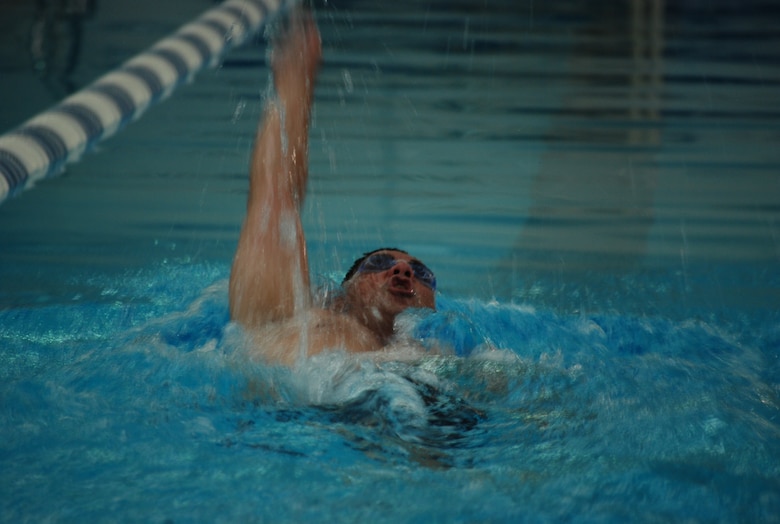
[(295, 58)]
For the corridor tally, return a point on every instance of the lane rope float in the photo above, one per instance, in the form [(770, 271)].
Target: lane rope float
[(42, 146)]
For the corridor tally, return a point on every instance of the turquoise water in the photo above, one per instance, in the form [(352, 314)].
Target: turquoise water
[(596, 188), (144, 409)]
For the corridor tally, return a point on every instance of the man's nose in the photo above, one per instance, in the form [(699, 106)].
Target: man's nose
[(402, 268)]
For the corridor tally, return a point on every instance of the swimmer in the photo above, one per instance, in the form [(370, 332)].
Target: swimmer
[(269, 293)]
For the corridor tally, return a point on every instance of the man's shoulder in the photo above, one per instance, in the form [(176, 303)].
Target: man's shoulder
[(336, 330), (312, 332)]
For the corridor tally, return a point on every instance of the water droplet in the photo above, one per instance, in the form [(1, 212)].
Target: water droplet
[(238, 111), (348, 84)]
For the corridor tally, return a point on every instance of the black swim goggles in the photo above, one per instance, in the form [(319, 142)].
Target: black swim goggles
[(384, 261)]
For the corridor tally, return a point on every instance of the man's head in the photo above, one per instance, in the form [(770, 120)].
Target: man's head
[(387, 281)]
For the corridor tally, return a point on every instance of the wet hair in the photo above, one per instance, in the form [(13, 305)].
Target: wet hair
[(356, 264)]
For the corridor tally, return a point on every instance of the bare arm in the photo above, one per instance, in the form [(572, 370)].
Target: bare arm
[(269, 280)]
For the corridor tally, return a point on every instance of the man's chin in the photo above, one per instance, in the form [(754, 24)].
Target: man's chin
[(396, 302)]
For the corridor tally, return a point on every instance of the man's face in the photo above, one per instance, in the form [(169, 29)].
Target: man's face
[(390, 291)]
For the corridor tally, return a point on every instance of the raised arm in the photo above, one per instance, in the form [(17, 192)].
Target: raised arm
[(269, 280)]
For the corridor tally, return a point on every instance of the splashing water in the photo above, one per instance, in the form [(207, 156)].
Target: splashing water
[(519, 411)]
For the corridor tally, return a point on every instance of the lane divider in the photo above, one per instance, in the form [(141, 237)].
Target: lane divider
[(42, 146)]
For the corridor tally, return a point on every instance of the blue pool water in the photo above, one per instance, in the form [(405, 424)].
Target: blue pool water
[(596, 188)]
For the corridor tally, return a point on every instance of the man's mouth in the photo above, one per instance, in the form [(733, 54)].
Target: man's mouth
[(402, 292), (401, 288)]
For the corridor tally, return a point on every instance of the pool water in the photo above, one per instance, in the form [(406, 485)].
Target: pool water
[(596, 188)]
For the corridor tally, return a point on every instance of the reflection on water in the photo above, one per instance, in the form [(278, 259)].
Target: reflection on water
[(594, 192), (514, 147), (56, 40)]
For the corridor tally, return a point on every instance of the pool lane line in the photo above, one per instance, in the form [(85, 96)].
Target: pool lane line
[(42, 146)]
